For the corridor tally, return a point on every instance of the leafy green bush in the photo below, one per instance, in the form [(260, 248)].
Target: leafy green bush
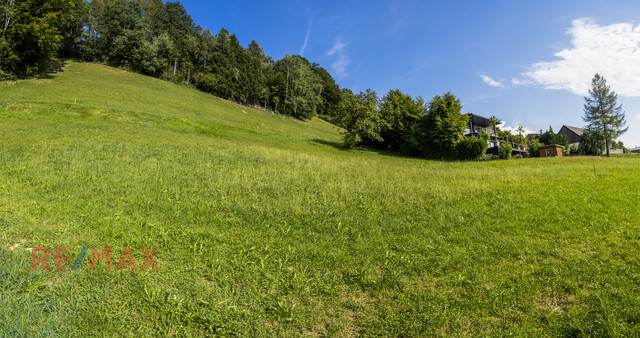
[(206, 82), (592, 143), (505, 151), (472, 148)]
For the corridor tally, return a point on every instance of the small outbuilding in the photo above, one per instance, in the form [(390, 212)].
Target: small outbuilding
[(552, 150)]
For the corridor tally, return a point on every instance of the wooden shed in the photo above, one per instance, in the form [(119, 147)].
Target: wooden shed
[(552, 150)]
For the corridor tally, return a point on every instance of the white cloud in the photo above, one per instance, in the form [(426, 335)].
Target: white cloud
[(339, 66), (637, 116), (514, 129), (613, 51), (491, 82), (306, 39)]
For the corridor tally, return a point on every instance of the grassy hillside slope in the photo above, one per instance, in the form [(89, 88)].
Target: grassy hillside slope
[(264, 227)]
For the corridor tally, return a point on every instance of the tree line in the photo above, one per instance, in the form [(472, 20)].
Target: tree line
[(162, 40)]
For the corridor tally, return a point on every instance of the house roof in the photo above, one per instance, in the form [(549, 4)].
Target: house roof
[(550, 146), (478, 120), (575, 130)]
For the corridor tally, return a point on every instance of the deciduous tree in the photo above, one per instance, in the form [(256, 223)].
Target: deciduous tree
[(442, 127), (359, 116)]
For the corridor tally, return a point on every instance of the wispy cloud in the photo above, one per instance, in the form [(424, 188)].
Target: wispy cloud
[(306, 39), (521, 82), (613, 51), (339, 65), (491, 82), (338, 47)]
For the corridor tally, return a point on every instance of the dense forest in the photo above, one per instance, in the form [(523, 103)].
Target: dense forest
[(162, 40)]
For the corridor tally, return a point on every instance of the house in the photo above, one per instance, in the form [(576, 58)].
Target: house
[(478, 123), (551, 150), (635, 150), (573, 133)]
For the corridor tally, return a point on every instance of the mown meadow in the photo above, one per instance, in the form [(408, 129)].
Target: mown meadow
[(265, 226)]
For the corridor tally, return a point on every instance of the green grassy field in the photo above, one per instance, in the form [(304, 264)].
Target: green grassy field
[(265, 227)]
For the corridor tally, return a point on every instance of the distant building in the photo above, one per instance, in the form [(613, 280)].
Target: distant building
[(572, 133), (635, 150), (552, 150), (478, 123)]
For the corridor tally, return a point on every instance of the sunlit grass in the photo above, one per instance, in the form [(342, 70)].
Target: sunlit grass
[(266, 228)]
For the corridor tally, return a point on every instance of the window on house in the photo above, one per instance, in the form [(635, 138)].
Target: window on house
[(548, 152)]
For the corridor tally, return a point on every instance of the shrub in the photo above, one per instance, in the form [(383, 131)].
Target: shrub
[(592, 143), (471, 148), (206, 82), (573, 149), (505, 151)]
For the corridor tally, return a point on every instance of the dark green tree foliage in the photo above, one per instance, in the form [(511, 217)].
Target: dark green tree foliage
[(121, 34), (73, 30), (472, 148), (602, 112), (400, 115), (259, 69), (359, 117), (172, 19), (533, 145), (30, 33), (277, 87), (592, 143), (549, 137), (227, 75), (157, 56), (331, 95), (92, 51), (442, 127)]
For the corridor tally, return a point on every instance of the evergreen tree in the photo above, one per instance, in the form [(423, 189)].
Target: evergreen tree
[(602, 112), (260, 68), (330, 96)]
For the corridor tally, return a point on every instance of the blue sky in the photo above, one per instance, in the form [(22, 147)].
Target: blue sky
[(527, 62)]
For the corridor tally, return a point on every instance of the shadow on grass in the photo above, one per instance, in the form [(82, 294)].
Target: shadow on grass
[(381, 152), (49, 69), (336, 145)]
